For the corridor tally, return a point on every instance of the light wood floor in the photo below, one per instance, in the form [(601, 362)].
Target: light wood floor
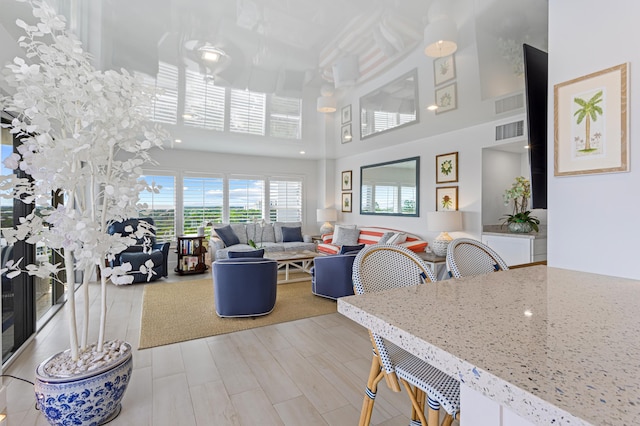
[(306, 372)]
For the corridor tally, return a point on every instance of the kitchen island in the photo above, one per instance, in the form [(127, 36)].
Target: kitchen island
[(553, 346)]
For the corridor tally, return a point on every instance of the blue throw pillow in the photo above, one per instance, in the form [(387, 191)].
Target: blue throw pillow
[(251, 253), (291, 234), (351, 249), (228, 237)]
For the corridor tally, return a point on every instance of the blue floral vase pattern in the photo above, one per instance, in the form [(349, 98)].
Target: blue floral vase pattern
[(91, 399)]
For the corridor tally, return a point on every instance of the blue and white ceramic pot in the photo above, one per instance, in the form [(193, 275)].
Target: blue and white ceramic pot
[(89, 399)]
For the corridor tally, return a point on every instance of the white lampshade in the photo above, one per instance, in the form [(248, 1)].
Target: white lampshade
[(327, 216), (440, 38), (326, 104), (443, 221)]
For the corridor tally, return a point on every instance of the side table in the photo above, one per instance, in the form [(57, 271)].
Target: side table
[(438, 264)]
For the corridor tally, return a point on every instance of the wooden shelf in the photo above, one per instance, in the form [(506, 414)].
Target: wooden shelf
[(191, 253)]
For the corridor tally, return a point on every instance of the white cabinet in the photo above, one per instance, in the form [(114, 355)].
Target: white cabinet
[(516, 249)]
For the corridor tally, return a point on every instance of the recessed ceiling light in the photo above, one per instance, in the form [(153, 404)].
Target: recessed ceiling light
[(432, 107), (302, 153), (177, 140), (527, 146)]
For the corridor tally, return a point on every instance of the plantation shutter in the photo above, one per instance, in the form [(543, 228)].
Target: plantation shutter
[(246, 199), (285, 199), (386, 198), (202, 202), (204, 103), (165, 107), (285, 117), (247, 112)]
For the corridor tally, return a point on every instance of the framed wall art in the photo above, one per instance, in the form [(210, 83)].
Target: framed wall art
[(346, 114), (346, 133), (444, 69), (346, 202), (591, 123), (346, 180), (447, 168), (446, 198), (446, 98)]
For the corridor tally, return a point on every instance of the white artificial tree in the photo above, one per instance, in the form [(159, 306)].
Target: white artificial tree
[(83, 135)]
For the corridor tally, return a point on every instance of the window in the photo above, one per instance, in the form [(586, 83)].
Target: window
[(386, 198), (204, 103), (246, 200), (285, 117), (247, 112), (285, 201), (165, 106), (161, 206), (202, 202)]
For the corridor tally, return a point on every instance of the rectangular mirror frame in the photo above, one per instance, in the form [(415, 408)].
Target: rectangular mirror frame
[(365, 180)]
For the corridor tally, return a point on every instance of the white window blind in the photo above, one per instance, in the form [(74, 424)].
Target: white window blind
[(202, 202), (408, 199), (386, 199), (384, 120), (285, 117), (367, 198), (246, 199), (165, 106), (285, 199), (247, 112), (204, 102), (161, 206)]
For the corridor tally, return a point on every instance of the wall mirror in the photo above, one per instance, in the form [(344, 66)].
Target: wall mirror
[(391, 188), (392, 106)]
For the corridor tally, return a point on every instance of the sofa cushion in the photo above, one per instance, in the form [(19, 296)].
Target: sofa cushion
[(348, 236), (291, 234), (277, 227), (351, 249), (240, 229), (397, 238), (251, 253), (385, 237), (228, 236)]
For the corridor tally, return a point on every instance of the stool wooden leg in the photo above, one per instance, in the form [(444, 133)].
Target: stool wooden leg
[(375, 375), (416, 408), (448, 419), (433, 417)]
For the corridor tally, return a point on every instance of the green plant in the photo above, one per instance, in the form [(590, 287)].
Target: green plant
[(522, 217)]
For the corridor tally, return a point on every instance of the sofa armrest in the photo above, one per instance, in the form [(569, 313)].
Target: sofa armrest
[(216, 243)]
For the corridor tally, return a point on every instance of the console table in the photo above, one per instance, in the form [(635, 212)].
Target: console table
[(539, 345)]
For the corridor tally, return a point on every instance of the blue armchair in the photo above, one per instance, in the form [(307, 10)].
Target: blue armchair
[(136, 255), (245, 287), (331, 275)]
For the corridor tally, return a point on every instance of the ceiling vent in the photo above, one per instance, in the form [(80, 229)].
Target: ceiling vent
[(510, 103), (510, 130)]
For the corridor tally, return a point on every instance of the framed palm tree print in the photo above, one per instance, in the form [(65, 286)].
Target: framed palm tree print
[(591, 122)]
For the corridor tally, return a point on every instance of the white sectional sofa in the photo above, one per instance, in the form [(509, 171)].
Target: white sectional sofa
[(269, 237)]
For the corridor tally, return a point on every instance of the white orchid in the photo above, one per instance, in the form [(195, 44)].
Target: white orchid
[(83, 137)]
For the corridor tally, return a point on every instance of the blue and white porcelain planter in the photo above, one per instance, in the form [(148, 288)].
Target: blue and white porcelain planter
[(88, 399)]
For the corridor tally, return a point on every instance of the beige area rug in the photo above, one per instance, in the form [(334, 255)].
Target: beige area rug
[(184, 310)]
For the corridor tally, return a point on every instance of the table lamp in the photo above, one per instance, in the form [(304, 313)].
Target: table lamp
[(443, 221), (327, 216)]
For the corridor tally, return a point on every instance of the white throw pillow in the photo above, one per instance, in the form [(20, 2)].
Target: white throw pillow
[(345, 236), (397, 238)]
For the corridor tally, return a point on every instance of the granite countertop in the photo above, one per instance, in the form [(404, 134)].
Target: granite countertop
[(556, 346), (503, 231)]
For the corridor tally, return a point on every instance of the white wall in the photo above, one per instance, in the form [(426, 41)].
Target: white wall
[(499, 169), (592, 219), (214, 163)]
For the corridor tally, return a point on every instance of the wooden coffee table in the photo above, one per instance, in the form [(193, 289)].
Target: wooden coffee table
[(298, 260)]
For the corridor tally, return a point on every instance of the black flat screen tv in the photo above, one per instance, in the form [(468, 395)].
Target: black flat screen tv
[(536, 82)]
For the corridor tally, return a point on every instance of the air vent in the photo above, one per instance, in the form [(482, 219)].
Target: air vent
[(509, 104), (510, 130)]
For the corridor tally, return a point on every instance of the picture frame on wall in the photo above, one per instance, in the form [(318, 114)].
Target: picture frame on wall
[(446, 98), (346, 133), (346, 202), (447, 168), (444, 69), (346, 180), (346, 114), (591, 123), (446, 198)]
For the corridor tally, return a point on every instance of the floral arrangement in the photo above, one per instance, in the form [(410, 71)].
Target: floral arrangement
[(519, 195), (83, 136)]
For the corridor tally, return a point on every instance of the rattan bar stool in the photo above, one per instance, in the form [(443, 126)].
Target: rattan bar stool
[(383, 267), (467, 257)]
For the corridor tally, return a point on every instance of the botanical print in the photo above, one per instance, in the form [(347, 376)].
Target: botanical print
[(346, 202), (444, 69), (447, 168), (447, 198), (446, 98), (587, 130), (346, 180), (346, 133)]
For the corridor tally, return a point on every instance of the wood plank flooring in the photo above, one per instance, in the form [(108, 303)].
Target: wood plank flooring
[(311, 371)]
